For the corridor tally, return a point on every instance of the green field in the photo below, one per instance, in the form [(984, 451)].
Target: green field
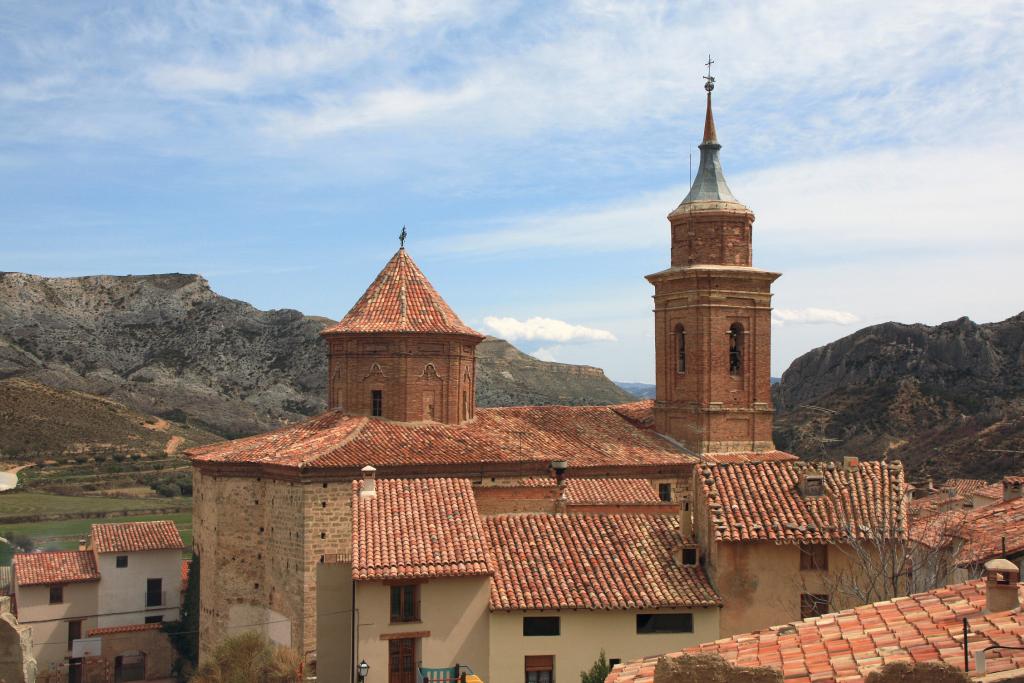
[(64, 533), (15, 504)]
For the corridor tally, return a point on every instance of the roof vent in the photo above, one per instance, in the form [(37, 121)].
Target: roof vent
[(812, 484), (369, 487), (1012, 487), (1001, 579)]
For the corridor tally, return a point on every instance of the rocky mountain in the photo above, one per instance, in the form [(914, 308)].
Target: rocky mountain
[(56, 423), (639, 389), (506, 376), (169, 346), (947, 400)]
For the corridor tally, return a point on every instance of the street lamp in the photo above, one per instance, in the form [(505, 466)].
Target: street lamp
[(364, 669)]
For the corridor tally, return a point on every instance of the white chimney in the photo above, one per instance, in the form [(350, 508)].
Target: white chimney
[(1012, 487), (1001, 579), (369, 487), (850, 462)]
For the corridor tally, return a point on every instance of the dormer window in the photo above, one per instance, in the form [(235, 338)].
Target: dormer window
[(735, 349)]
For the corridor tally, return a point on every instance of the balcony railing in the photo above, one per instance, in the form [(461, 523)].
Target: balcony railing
[(156, 599)]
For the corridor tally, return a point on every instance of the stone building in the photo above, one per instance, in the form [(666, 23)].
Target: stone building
[(272, 512)]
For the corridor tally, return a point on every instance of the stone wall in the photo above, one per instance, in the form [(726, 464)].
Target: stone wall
[(709, 668), (153, 643), (16, 662)]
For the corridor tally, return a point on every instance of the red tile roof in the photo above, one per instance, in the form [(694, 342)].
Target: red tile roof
[(401, 299), (985, 528), (585, 436), (640, 413), (58, 566), (127, 628), (417, 528), (591, 562), (596, 491), (846, 646), (752, 456), (128, 537), (964, 487), (993, 491), (762, 502)]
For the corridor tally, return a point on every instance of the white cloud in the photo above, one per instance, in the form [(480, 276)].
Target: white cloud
[(545, 329), (545, 353), (812, 316)]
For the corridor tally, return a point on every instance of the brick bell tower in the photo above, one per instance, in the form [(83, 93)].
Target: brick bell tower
[(712, 318), (401, 353)]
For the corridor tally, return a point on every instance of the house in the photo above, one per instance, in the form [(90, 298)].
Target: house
[(126, 574), (783, 540), (534, 595), (847, 645)]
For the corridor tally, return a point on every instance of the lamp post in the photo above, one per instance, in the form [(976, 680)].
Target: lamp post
[(362, 670)]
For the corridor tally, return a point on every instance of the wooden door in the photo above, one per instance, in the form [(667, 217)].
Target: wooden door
[(402, 660)]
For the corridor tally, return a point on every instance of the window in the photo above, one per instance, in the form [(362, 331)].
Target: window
[(377, 397), (690, 557), (813, 605), (56, 595), (155, 619), (405, 602), (664, 623), (813, 556), (465, 405), (154, 592), (735, 349), (541, 626), (665, 492), (680, 348), (121, 561), (540, 669), (614, 660), (74, 631)]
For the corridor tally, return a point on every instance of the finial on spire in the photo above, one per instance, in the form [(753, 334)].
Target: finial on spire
[(710, 135), (401, 238), (709, 80)]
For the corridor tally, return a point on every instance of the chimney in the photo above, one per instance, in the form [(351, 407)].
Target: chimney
[(850, 462), (369, 487), (812, 483), (1012, 487), (1001, 578), (685, 518), (82, 544)]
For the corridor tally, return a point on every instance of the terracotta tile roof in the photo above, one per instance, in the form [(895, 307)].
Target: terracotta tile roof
[(640, 413), (129, 537), (58, 566), (591, 562), (416, 528), (401, 299), (753, 456), (761, 501), (127, 628), (993, 491), (964, 487), (597, 490), (935, 503), (985, 528), (585, 436), (846, 646)]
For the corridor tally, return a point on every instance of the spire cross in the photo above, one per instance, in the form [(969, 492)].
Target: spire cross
[(401, 237), (710, 84)]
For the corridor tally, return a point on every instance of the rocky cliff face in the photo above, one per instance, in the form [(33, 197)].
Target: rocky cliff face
[(947, 399), (167, 345)]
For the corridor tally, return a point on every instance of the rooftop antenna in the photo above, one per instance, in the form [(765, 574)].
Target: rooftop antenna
[(401, 238)]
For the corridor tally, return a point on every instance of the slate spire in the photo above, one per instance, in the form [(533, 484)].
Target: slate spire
[(710, 185)]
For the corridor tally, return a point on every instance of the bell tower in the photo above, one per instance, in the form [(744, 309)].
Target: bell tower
[(712, 318)]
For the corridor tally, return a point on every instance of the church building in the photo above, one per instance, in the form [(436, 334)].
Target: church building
[(274, 512)]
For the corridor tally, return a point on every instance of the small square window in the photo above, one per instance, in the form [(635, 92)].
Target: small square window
[(689, 557), (665, 492), (542, 626), (405, 603), (121, 561), (813, 605), (155, 619), (56, 595)]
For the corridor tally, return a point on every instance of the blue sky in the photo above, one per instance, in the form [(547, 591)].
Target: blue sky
[(533, 150)]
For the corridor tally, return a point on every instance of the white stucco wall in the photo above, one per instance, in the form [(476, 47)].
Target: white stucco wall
[(122, 592), (50, 622)]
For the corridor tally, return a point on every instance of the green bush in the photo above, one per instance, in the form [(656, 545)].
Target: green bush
[(598, 672)]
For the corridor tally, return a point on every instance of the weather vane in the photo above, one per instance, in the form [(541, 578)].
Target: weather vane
[(710, 80), (401, 237)]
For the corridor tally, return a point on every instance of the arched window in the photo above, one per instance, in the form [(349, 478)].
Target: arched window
[(735, 349), (680, 348)]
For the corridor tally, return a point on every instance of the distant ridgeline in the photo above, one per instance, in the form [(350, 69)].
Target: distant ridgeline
[(168, 346)]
